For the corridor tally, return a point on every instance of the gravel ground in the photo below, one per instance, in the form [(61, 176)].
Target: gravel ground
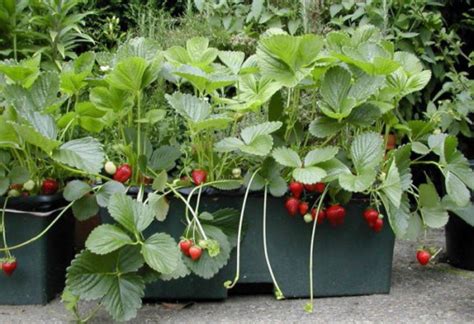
[(432, 294)]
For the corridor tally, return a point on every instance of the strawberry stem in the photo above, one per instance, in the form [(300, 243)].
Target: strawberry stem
[(231, 284), (278, 293), (4, 230), (309, 306)]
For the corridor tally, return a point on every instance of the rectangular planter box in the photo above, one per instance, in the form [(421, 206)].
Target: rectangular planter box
[(40, 274), (348, 260)]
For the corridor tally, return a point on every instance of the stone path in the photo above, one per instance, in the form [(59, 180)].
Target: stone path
[(432, 294)]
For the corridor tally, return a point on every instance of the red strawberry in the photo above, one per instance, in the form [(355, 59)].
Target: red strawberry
[(423, 257), (49, 187), (9, 267), (296, 188), (378, 225), (123, 173), (303, 208), (321, 215), (335, 214), (391, 142), (292, 205), (195, 252), (199, 176), (371, 216), (185, 245), (315, 187)]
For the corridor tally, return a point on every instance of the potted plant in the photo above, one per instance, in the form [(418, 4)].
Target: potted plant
[(37, 157), (311, 118)]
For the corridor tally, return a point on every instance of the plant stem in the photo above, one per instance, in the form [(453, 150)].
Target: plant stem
[(33, 239), (4, 229), (309, 307), (230, 284), (278, 293)]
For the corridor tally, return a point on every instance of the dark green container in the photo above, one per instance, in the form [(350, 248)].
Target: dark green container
[(40, 274), (348, 260)]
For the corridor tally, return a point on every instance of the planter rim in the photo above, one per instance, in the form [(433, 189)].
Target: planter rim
[(209, 191), (40, 203)]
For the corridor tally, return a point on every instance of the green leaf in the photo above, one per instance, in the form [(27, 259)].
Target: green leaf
[(457, 190), (164, 157), (227, 220), (261, 145), (399, 217), (189, 106), (161, 253), (278, 187), (233, 60), (391, 186), (357, 183), (335, 88), (433, 212), (129, 213), (76, 189), (181, 271), (85, 207), (466, 213), (125, 297), (288, 59), (309, 175), (4, 185), (228, 144), (287, 157), (35, 138), (228, 185), (128, 74), (19, 175), (420, 148), (367, 151), (107, 238), (159, 183), (249, 134), (160, 205), (84, 154), (323, 127), (320, 155), (107, 190)]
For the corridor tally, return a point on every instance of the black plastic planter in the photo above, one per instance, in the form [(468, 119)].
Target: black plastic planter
[(40, 274), (460, 241), (349, 260)]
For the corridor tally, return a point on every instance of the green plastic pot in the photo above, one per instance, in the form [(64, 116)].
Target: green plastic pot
[(40, 274), (348, 260)]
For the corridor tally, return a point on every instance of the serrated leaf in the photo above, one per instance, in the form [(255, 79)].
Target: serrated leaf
[(320, 155), (160, 205), (457, 190), (258, 181), (434, 214), (161, 253), (107, 190), (466, 213), (228, 185), (367, 151), (84, 154), (32, 136), (249, 134), (261, 146), (181, 271), (129, 213), (287, 157), (391, 186), (357, 183), (76, 189), (159, 183), (128, 74), (228, 144), (278, 187), (323, 127), (164, 158), (19, 175), (107, 238), (420, 148), (85, 207), (309, 175)]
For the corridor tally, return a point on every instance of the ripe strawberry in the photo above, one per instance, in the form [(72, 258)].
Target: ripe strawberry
[(371, 216), (391, 142), (423, 257), (308, 218), (315, 187), (185, 245), (303, 207), (199, 176), (49, 187), (292, 205), (195, 252), (378, 225), (9, 267), (123, 173), (335, 214), (296, 188), (321, 215)]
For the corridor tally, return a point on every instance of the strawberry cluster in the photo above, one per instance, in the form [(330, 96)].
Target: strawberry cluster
[(373, 219), (189, 249)]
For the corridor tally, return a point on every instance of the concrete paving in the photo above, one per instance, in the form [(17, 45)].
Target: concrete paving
[(432, 294)]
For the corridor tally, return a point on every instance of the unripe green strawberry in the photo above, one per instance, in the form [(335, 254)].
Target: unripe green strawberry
[(29, 185), (110, 167), (308, 218), (236, 173)]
